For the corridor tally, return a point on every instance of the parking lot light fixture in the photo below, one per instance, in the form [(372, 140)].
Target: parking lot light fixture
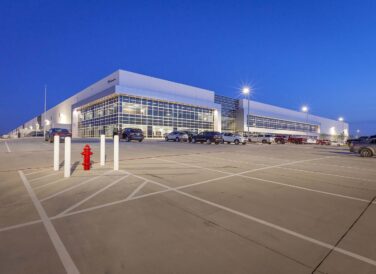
[(305, 110), (340, 119), (247, 91)]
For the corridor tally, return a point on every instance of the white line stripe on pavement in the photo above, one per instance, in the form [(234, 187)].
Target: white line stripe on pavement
[(238, 213), (92, 195), (241, 174), (136, 190), (8, 149), (64, 256), (19, 225), (73, 187)]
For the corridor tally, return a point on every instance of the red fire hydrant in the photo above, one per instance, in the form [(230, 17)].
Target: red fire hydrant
[(86, 153)]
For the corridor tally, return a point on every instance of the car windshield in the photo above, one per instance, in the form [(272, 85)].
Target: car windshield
[(63, 130), (135, 130)]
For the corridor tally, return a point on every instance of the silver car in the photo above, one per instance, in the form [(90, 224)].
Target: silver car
[(177, 136), (365, 149)]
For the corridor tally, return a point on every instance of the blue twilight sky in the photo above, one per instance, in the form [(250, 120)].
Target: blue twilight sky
[(319, 53)]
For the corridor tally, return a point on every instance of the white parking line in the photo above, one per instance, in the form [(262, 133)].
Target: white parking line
[(241, 174), (36, 172), (238, 213), (329, 174), (92, 195), (8, 149), (136, 190), (45, 176), (282, 229), (73, 187), (64, 256), (19, 225), (51, 183)]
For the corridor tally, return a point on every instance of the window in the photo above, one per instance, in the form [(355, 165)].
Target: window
[(133, 108)]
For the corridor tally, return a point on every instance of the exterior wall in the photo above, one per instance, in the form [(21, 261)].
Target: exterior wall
[(326, 126), (233, 112)]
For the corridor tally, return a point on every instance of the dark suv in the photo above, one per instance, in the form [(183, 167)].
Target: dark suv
[(208, 137), (130, 134), (61, 132)]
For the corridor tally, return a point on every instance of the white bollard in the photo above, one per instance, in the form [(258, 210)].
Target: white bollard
[(67, 157), (116, 152), (103, 149), (56, 152)]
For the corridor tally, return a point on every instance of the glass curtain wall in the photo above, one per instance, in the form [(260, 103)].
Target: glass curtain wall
[(271, 123), (154, 117)]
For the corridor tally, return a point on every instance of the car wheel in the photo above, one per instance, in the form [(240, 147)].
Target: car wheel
[(217, 143), (365, 152), (177, 139), (263, 141), (166, 139), (236, 142), (140, 140), (244, 143)]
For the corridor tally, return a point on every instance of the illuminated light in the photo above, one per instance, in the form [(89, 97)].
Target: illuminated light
[(340, 119), (47, 122), (332, 131), (304, 109), (246, 90), (31, 127)]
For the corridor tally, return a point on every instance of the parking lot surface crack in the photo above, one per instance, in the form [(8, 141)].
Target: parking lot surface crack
[(344, 234)]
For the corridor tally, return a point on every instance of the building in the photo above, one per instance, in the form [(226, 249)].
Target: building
[(126, 99)]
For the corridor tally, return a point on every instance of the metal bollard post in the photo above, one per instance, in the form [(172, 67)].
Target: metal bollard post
[(103, 149), (67, 157), (116, 152), (56, 152)]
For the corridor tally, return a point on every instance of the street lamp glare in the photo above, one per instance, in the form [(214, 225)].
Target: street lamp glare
[(340, 119), (246, 90), (304, 108)]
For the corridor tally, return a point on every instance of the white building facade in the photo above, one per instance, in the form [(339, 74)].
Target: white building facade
[(126, 99)]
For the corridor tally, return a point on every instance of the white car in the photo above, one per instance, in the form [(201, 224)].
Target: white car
[(311, 141), (234, 138), (177, 136), (262, 138)]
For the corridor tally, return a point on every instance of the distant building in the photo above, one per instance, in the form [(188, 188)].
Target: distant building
[(126, 99)]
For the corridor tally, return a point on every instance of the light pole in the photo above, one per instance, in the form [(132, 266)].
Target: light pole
[(357, 133), (305, 110), (343, 128), (247, 91), (45, 106)]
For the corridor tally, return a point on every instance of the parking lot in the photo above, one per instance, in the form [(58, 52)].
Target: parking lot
[(187, 208)]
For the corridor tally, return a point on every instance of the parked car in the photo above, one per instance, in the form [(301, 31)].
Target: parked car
[(336, 143), (280, 139), (297, 140), (262, 138), (130, 134), (61, 132), (360, 139), (234, 138), (177, 136), (311, 140), (208, 137), (323, 142), (365, 148), (35, 134), (190, 135)]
